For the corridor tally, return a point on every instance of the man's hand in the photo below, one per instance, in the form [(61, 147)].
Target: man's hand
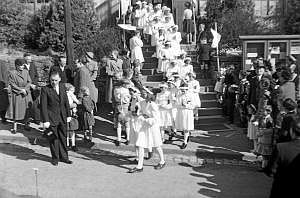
[(69, 119), (46, 125)]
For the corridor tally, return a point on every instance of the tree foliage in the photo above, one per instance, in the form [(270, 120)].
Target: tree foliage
[(47, 30), (234, 18), (292, 18), (13, 20)]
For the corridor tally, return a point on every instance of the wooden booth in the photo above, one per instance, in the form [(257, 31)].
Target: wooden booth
[(276, 48)]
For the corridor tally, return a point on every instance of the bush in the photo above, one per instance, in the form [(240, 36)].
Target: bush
[(13, 20)]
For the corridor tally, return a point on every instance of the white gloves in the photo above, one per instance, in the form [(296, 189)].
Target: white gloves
[(46, 125), (69, 119)]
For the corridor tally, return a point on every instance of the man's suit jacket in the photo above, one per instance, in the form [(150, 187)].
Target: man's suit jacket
[(54, 108), (33, 73), (285, 164), (254, 91)]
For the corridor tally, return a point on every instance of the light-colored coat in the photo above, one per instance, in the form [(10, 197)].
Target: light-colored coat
[(136, 45), (20, 103), (147, 129)]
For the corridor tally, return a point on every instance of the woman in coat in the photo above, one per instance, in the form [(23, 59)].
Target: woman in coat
[(19, 84)]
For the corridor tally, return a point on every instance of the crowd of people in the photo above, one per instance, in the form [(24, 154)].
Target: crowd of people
[(267, 103)]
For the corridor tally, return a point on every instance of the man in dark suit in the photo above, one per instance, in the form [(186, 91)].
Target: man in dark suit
[(284, 165), (35, 91), (254, 86), (65, 71), (55, 113)]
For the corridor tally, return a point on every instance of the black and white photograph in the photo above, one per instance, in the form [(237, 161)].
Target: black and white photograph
[(149, 98)]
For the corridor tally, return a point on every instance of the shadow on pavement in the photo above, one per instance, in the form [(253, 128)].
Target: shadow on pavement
[(229, 181), (106, 157), (21, 152), (6, 194)]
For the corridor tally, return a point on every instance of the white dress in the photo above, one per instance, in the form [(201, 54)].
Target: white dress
[(175, 39), (194, 88), (185, 69), (148, 131), (185, 114), (252, 129), (164, 57), (174, 93), (136, 45), (143, 19), (163, 100), (172, 69)]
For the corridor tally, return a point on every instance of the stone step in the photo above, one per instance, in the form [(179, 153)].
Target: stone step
[(212, 119), (207, 96), (155, 78), (209, 111), (150, 60), (147, 54), (209, 103), (148, 48), (147, 72), (150, 65)]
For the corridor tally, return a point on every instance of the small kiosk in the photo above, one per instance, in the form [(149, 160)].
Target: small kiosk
[(275, 48)]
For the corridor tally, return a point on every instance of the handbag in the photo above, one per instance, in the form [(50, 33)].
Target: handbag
[(49, 135), (73, 124)]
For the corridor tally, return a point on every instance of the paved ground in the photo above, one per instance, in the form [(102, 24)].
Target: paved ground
[(213, 165), (101, 174)]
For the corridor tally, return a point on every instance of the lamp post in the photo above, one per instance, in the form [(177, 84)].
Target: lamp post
[(68, 33)]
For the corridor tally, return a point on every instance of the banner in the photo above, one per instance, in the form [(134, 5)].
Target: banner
[(216, 39)]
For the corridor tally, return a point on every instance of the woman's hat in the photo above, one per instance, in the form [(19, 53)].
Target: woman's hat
[(20, 61), (144, 2), (90, 55), (138, 3), (187, 59)]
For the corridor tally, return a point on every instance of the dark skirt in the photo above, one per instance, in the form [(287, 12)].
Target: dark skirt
[(188, 26)]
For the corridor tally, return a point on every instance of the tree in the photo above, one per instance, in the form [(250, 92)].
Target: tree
[(13, 20), (49, 30), (292, 17), (234, 18)]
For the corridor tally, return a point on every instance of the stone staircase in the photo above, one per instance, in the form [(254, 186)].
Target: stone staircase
[(210, 117)]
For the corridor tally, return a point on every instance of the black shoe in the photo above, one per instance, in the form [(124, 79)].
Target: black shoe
[(13, 131), (27, 127), (67, 161), (150, 155), (135, 161), (117, 143), (54, 162), (183, 146), (188, 139), (74, 148), (159, 166), (4, 121), (135, 170), (127, 142)]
